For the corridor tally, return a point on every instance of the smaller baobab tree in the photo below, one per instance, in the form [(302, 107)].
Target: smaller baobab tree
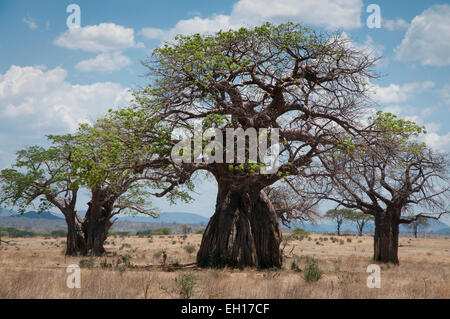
[(394, 177), (120, 166), (339, 216), (45, 174), (360, 220)]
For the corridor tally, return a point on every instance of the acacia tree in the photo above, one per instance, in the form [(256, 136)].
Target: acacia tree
[(339, 216), (418, 223), (361, 220), (309, 86), (108, 160), (45, 174), (395, 177)]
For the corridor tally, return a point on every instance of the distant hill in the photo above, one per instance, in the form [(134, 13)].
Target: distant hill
[(170, 217), (36, 215), (7, 213)]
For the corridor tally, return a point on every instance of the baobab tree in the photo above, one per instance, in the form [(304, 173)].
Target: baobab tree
[(398, 177), (310, 87), (45, 174), (108, 159)]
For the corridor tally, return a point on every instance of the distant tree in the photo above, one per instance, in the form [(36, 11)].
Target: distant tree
[(45, 174), (339, 216), (418, 223), (185, 229), (361, 220)]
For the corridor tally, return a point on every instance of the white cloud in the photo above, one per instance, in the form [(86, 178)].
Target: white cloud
[(395, 24), (428, 38), (104, 37), (445, 93), (104, 62), (437, 141), (344, 14), (34, 100), (395, 93), (30, 22)]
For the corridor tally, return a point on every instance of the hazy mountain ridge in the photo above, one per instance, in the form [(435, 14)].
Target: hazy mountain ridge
[(176, 218)]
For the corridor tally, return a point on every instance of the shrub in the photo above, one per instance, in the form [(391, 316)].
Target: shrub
[(312, 271), (105, 264), (200, 231), (143, 233), (162, 231), (300, 231), (189, 249), (87, 263), (349, 240), (185, 285)]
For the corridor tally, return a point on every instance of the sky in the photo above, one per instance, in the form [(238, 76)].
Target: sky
[(54, 76)]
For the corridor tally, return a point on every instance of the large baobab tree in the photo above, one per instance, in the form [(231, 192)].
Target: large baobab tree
[(399, 177), (309, 86)]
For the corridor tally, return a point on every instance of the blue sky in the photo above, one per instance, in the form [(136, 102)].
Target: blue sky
[(52, 78)]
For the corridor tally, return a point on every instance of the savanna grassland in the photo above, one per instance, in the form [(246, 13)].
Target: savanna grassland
[(321, 266)]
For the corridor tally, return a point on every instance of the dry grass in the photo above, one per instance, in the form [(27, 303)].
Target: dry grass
[(36, 268)]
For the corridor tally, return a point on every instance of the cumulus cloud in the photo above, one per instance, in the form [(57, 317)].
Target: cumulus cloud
[(436, 141), (104, 62), (395, 93), (428, 38), (104, 37), (345, 14), (395, 24), (35, 100)]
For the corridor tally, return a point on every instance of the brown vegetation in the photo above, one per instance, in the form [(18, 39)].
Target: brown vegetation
[(36, 268)]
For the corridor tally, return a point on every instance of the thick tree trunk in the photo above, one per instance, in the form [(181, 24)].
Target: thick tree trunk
[(244, 231), (76, 243), (386, 236), (97, 223)]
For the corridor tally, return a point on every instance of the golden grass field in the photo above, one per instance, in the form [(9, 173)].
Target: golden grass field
[(36, 268)]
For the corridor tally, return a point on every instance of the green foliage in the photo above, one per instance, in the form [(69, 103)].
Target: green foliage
[(312, 271), (38, 173), (142, 233), (300, 232), (87, 263), (200, 231), (161, 231), (185, 285)]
